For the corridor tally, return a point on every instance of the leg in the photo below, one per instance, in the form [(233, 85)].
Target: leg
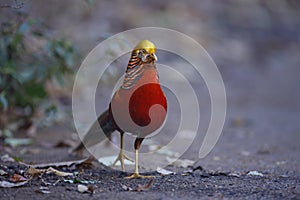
[(136, 174), (121, 157)]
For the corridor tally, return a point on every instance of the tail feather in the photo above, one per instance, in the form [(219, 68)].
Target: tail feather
[(96, 134)]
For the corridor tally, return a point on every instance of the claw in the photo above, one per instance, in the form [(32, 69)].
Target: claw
[(137, 175)]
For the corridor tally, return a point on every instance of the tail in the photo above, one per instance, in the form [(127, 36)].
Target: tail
[(96, 134)]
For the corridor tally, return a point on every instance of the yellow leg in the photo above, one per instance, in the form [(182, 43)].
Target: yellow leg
[(136, 170), (121, 157)]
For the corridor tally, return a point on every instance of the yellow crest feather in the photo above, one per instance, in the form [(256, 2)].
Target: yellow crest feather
[(146, 45)]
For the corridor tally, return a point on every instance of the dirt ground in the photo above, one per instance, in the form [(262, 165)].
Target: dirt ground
[(256, 48), (224, 174)]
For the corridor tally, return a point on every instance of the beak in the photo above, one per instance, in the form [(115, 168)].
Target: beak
[(154, 56)]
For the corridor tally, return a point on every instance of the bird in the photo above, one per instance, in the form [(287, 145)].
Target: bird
[(138, 107)]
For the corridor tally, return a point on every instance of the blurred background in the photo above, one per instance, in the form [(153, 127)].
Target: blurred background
[(255, 44)]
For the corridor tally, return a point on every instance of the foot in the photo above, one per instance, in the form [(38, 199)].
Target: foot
[(137, 175), (121, 157)]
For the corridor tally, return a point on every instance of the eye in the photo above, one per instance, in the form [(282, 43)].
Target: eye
[(140, 54), (143, 51)]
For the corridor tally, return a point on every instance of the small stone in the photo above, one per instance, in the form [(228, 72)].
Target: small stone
[(82, 188)]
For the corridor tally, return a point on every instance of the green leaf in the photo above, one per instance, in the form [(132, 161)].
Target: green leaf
[(36, 90)]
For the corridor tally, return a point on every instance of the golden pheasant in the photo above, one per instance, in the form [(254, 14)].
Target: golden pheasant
[(138, 107)]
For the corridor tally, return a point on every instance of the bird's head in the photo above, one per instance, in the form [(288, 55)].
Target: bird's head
[(145, 50)]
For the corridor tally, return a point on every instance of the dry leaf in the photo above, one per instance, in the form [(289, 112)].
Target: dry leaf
[(180, 163), (164, 172), (7, 158), (17, 178), (91, 189), (6, 184), (34, 172), (255, 173), (59, 173), (145, 187), (3, 173)]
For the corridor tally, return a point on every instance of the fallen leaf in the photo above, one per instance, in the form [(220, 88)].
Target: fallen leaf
[(6, 184), (180, 163), (3, 173), (34, 172), (17, 178), (7, 158), (255, 173), (164, 172), (14, 142), (91, 189), (82, 188), (145, 187), (58, 173)]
